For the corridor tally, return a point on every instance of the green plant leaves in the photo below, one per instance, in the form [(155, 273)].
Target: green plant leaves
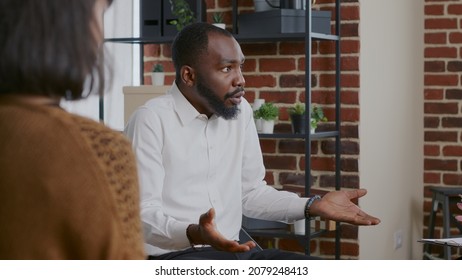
[(267, 111)]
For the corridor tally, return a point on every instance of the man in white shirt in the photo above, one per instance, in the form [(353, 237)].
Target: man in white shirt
[(200, 162)]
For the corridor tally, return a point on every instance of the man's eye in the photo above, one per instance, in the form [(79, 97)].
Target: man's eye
[(226, 69)]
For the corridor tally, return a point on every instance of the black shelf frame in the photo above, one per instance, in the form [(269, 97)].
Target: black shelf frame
[(309, 137), (313, 136), (308, 37), (241, 38), (285, 233)]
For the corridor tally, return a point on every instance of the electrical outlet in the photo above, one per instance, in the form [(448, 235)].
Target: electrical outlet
[(398, 239)]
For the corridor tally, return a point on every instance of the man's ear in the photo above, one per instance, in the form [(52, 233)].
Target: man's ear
[(188, 76)]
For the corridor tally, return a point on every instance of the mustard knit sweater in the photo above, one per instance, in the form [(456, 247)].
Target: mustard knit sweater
[(68, 187)]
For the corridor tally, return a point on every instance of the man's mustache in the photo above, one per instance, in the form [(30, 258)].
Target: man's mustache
[(234, 92)]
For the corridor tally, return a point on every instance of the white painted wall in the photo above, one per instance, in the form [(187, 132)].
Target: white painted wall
[(391, 126), (123, 60), (119, 22)]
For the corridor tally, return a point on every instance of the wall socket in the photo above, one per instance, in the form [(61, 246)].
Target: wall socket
[(398, 239)]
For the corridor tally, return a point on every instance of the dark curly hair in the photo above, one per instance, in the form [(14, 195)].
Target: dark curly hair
[(49, 48)]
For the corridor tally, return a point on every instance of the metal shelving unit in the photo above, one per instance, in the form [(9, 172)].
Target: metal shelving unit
[(308, 37)]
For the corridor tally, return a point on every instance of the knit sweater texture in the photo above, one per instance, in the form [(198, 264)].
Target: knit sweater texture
[(68, 187)]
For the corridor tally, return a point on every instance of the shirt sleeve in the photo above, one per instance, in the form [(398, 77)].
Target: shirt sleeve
[(145, 131), (260, 200)]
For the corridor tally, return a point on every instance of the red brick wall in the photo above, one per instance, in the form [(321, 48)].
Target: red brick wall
[(443, 98), (274, 71)]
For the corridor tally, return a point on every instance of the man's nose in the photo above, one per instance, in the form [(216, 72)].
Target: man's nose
[(240, 81)]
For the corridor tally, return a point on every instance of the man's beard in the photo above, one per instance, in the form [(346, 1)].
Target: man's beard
[(218, 106)]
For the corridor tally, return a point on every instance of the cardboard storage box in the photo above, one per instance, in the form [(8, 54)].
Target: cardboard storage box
[(283, 21), (136, 96)]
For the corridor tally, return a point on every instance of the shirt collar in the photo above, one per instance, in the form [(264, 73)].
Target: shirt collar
[(186, 112)]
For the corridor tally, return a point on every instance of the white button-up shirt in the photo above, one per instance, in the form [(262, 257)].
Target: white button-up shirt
[(189, 163)]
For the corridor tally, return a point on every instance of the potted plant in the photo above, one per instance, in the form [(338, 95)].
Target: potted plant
[(217, 19), (317, 116), (184, 14), (297, 117), (255, 106), (258, 120), (158, 74), (268, 113)]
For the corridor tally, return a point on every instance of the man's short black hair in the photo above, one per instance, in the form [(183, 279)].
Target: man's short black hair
[(191, 43)]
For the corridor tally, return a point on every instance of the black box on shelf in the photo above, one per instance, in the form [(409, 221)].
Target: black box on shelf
[(283, 21), (320, 22), (150, 18)]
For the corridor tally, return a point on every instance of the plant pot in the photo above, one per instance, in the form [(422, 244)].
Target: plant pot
[(158, 78), (262, 5), (292, 4), (267, 127), (312, 129), (258, 124), (221, 25), (299, 227), (298, 123)]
